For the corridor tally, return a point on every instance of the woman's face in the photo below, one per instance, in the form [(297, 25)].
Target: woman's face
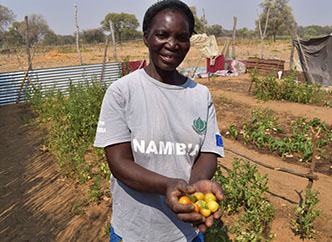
[(168, 39)]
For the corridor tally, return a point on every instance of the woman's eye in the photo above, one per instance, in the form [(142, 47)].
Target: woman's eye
[(183, 38), (161, 35)]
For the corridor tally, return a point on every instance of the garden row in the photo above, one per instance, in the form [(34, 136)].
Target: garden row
[(71, 122)]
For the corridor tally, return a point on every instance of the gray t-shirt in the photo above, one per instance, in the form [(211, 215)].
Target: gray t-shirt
[(168, 126)]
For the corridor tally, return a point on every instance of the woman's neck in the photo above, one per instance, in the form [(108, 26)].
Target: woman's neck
[(168, 77)]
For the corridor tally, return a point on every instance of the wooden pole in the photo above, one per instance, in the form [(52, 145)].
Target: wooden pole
[(233, 38), (27, 41), (315, 136), (22, 84), (103, 67), (113, 40), (199, 61), (291, 58), (77, 35)]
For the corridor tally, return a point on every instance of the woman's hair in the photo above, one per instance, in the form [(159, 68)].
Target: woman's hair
[(168, 4)]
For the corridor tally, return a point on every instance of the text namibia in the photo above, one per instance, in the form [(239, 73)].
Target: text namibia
[(164, 148)]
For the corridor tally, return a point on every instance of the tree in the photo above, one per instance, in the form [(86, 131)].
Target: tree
[(215, 30), (50, 38), (13, 37), (245, 33), (66, 39), (92, 36), (124, 25), (280, 17), (6, 18), (199, 25)]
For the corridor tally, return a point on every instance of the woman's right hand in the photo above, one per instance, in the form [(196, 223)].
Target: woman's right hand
[(185, 212)]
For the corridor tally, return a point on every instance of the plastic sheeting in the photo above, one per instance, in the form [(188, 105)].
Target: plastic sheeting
[(317, 53), (206, 44)]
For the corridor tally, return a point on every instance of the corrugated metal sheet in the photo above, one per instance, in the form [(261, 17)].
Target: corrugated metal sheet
[(53, 78)]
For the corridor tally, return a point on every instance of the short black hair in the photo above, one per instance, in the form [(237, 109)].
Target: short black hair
[(168, 4)]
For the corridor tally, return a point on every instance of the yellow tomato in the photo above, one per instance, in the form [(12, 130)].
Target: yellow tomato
[(205, 212), (199, 195), (209, 197), (201, 204), (213, 206)]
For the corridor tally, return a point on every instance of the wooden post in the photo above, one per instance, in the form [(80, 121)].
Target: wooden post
[(77, 35), (233, 38), (22, 84), (199, 61), (27, 41), (103, 67), (113, 40), (315, 136), (291, 58)]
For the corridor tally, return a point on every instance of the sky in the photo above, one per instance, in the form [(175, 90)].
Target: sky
[(59, 14)]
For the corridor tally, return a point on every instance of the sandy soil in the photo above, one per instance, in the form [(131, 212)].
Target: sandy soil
[(38, 204)]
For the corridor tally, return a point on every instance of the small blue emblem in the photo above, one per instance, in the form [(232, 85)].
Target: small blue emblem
[(219, 140)]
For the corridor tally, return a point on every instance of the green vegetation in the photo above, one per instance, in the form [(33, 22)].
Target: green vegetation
[(306, 214), (264, 131), (268, 88), (245, 204), (71, 122)]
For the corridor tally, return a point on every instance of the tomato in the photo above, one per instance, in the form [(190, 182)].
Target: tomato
[(213, 206), (196, 208), (209, 197), (205, 212), (192, 198), (199, 195), (201, 204), (184, 200)]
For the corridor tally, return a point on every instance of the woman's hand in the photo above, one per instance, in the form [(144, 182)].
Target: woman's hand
[(185, 212), (207, 186)]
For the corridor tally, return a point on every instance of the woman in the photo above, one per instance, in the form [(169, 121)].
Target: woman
[(161, 137)]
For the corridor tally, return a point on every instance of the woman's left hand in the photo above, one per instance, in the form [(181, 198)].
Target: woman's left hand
[(208, 186)]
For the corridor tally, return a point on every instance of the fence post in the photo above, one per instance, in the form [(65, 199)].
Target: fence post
[(77, 35), (103, 67), (27, 41), (113, 40), (233, 38)]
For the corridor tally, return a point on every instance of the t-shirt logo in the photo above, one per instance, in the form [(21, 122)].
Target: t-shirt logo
[(219, 140), (199, 126)]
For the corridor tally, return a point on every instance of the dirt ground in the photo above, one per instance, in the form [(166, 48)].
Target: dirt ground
[(37, 203)]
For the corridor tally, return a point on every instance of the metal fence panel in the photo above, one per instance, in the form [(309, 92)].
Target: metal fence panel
[(53, 78)]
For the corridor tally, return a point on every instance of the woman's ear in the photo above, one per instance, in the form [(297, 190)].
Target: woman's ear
[(145, 38)]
